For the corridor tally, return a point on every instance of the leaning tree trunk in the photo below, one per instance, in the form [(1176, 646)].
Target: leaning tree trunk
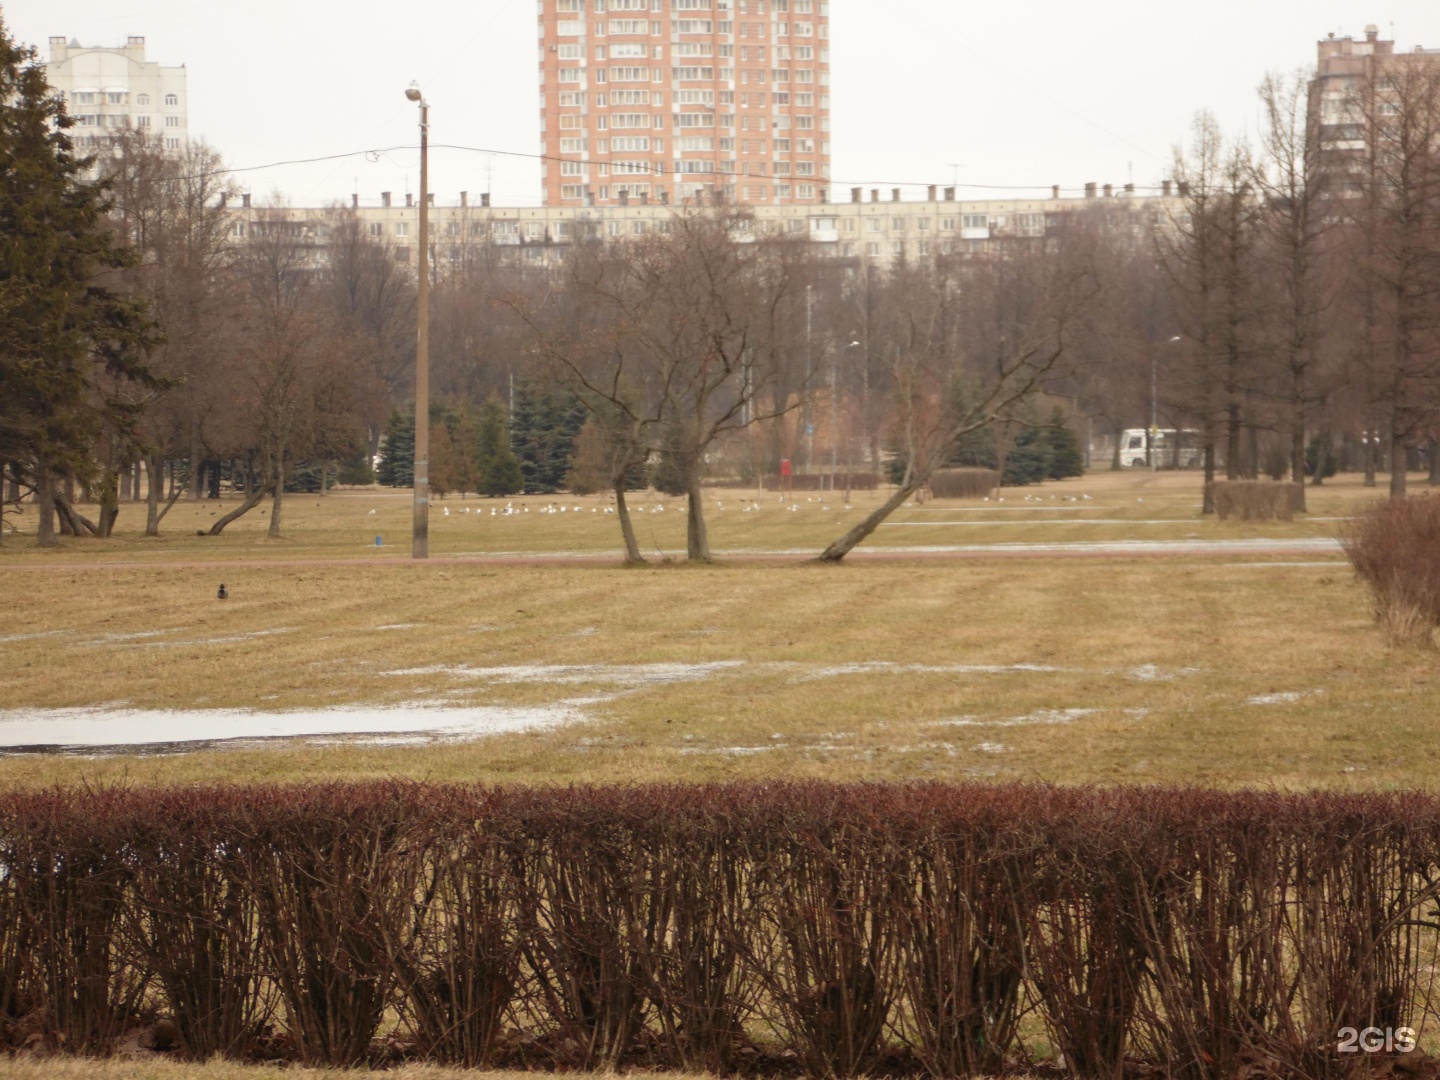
[(847, 543), (627, 527), (253, 500)]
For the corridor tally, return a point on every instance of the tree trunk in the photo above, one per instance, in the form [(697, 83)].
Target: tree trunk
[(627, 527), (45, 505), (1232, 441), (277, 497), (109, 503), (847, 543), (697, 540), (125, 477), (1207, 505), (1399, 462), (1297, 453), (196, 465), (1372, 456), (155, 477), (72, 522), (1434, 452), (251, 501)]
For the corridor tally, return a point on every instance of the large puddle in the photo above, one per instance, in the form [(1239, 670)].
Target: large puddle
[(166, 730)]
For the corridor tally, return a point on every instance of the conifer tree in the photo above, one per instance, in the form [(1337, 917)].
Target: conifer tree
[(397, 454), (1066, 457), (498, 468), (72, 351)]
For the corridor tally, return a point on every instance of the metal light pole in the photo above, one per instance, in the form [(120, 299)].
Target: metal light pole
[(420, 538), (1154, 417)]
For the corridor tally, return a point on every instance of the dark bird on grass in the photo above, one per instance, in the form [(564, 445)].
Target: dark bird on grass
[(223, 593)]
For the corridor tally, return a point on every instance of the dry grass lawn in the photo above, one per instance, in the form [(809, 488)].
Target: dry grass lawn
[(1126, 505), (1218, 670), (151, 1069)]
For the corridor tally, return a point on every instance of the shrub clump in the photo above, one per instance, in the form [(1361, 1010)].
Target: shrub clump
[(1395, 549), (963, 483), (1256, 500)]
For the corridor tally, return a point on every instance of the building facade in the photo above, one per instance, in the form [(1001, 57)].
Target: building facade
[(108, 90), (879, 231), (685, 100)]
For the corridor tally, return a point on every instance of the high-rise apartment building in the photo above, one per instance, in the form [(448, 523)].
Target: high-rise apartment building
[(110, 89), (674, 100), (1357, 87)]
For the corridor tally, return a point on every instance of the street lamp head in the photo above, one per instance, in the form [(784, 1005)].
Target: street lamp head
[(413, 91)]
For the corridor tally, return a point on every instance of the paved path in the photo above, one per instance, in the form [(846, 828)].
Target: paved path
[(1097, 549)]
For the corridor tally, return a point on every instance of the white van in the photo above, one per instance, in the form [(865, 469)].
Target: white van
[(1133, 449)]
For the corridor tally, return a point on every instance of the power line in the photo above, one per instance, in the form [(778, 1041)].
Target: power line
[(375, 154)]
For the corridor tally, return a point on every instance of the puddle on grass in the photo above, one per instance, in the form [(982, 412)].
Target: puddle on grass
[(134, 730), (1039, 716), (889, 667)]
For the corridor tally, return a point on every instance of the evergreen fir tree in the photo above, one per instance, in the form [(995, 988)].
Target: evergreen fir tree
[(397, 452), (542, 435), (72, 350), (1066, 457), (497, 467), (1029, 459)]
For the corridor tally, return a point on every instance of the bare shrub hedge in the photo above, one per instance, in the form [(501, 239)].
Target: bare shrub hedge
[(1256, 500), (1395, 549), (834, 930), (963, 483)]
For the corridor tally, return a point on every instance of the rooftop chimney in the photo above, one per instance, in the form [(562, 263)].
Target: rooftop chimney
[(1090, 190), (824, 194), (222, 200), (409, 199), (857, 194), (874, 194), (624, 196), (1054, 191), (245, 200), (895, 194), (1109, 190), (644, 198), (931, 193), (1165, 188), (464, 199), (385, 199), (949, 194), (1129, 189), (430, 198), (664, 197), (1372, 32), (484, 198), (355, 200), (1183, 187)]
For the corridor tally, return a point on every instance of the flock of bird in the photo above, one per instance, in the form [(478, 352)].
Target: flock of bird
[(746, 506)]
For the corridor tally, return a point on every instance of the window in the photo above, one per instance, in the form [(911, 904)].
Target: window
[(630, 50), (402, 228), (83, 97), (170, 121), (142, 121), (172, 99), (629, 74), (571, 52), (377, 229), (574, 120), (534, 230), (629, 97), (1030, 224), (974, 221), (569, 75), (629, 26), (572, 191), (805, 191), (238, 228), (696, 142), (172, 144), (872, 224), (574, 98), (872, 248), (632, 143), (897, 224), (570, 29), (142, 99), (694, 97), (116, 97), (630, 120), (570, 5), (947, 224), (571, 168), (572, 146)]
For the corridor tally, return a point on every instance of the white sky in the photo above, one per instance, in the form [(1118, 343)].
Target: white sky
[(1023, 93)]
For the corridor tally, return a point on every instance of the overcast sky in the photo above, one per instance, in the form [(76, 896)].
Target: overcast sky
[(996, 95)]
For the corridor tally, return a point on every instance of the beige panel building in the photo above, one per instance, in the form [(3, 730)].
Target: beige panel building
[(685, 100), (110, 89)]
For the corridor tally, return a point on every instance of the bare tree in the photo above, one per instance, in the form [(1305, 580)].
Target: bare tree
[(966, 345)]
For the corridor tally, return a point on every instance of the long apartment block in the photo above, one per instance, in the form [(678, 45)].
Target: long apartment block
[(875, 227), (677, 99)]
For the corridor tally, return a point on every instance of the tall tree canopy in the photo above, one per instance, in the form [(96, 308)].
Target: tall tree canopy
[(72, 347)]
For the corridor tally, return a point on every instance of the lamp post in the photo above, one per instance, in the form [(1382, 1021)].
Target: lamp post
[(420, 536)]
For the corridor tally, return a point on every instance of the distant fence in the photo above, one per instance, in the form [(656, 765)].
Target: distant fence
[(829, 930)]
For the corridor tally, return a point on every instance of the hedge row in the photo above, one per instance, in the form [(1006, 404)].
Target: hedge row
[(836, 930)]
